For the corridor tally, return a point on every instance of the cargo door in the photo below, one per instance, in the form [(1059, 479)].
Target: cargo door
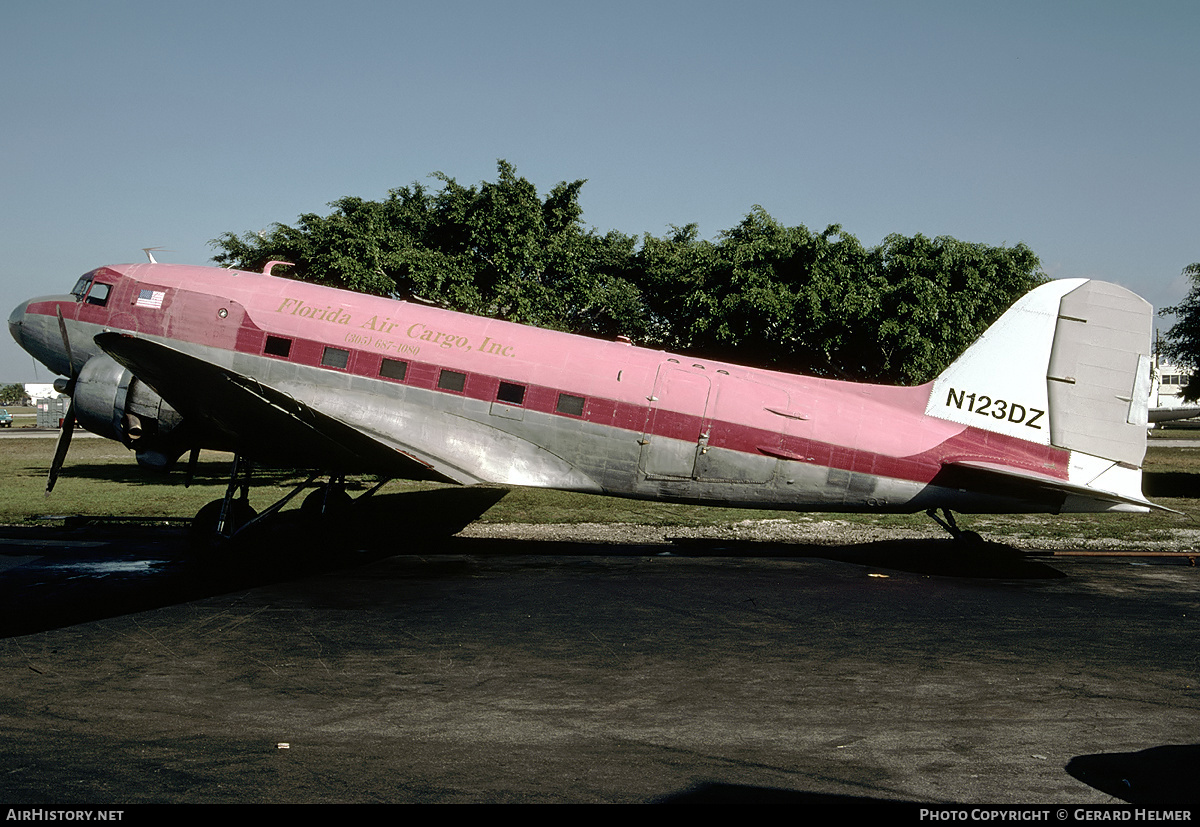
[(675, 425)]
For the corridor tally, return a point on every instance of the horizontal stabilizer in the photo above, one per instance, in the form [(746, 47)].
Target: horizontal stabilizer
[(1019, 481)]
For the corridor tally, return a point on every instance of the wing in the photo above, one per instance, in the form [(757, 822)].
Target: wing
[(262, 422)]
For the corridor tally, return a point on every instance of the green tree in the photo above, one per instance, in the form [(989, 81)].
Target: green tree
[(821, 303), (12, 394), (1182, 345), (940, 296)]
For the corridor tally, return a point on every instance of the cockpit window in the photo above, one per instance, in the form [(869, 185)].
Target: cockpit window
[(81, 287), (99, 294), (87, 289)]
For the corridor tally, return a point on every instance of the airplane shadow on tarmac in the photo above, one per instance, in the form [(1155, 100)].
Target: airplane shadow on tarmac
[(56, 577), (96, 568), (1161, 777), (1157, 777)]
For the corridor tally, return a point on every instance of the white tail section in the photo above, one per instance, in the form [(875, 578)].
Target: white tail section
[(1067, 365)]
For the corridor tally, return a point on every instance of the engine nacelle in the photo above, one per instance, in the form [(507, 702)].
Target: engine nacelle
[(111, 402)]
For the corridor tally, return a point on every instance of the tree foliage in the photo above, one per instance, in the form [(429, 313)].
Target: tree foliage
[(761, 293), (12, 394), (1182, 345)]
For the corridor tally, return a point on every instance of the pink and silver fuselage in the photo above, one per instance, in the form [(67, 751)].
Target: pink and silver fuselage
[(481, 400)]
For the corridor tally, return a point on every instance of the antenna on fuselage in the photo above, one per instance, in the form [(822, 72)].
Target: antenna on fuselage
[(149, 251), (271, 264)]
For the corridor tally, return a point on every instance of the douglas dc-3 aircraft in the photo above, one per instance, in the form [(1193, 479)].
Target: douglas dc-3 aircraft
[(1046, 412)]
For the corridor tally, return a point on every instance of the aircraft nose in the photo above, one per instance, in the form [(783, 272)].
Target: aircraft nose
[(16, 322)]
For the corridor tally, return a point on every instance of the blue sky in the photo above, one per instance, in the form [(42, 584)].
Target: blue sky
[(1073, 127)]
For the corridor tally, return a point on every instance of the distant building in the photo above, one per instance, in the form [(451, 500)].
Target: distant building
[(1167, 405), (1166, 390), (40, 390)]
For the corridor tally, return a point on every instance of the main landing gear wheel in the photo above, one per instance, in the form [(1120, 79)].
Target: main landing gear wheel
[(217, 522), (207, 528), (327, 500)]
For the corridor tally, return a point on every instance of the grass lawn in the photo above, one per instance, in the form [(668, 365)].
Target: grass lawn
[(102, 478)]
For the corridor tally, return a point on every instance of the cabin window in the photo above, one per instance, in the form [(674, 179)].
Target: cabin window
[(278, 346), (99, 294), (335, 357), (393, 369), (511, 393), (569, 404), (452, 380)]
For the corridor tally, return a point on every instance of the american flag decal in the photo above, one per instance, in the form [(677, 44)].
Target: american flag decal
[(150, 298)]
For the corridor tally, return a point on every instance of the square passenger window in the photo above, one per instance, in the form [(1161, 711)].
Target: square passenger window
[(278, 346), (511, 393), (452, 380), (335, 357), (393, 369), (568, 404)]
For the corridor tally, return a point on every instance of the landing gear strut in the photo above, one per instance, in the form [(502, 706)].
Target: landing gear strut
[(329, 499), (221, 519), (950, 525)]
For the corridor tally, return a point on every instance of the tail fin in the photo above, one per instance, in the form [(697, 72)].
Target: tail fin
[(1067, 365)]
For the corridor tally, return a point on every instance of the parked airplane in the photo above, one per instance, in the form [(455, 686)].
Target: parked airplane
[(1046, 412)]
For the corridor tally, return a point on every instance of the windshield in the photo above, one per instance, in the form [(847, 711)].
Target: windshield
[(81, 287)]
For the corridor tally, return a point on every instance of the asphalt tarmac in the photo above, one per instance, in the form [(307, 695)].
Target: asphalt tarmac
[(319, 668)]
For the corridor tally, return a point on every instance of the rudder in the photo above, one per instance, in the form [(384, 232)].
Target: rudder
[(1099, 374)]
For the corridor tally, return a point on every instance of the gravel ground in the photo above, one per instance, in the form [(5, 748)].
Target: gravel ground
[(817, 532)]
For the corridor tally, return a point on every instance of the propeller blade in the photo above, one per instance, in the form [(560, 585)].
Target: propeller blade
[(62, 329), (68, 426), (60, 452)]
